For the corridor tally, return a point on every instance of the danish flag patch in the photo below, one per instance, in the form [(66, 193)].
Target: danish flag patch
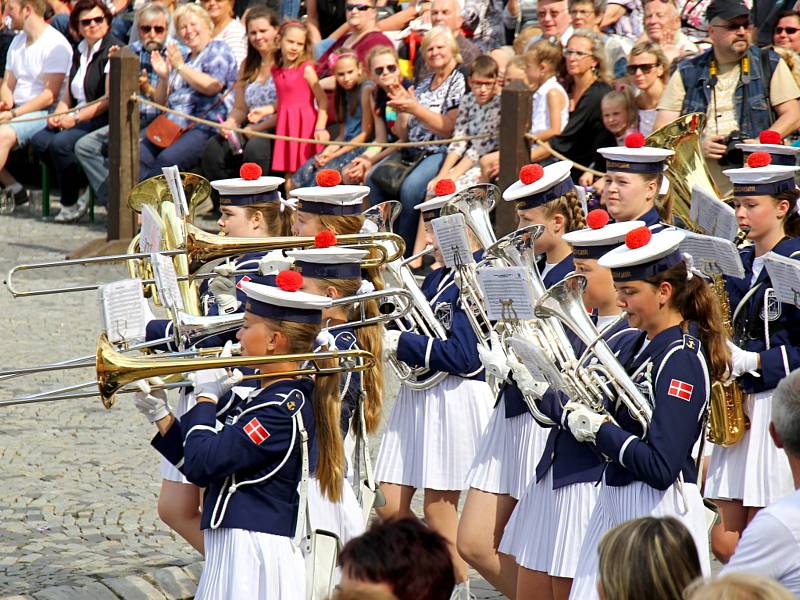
[(241, 281), (680, 389), (256, 432)]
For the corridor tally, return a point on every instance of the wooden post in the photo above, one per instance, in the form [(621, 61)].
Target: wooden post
[(515, 122)]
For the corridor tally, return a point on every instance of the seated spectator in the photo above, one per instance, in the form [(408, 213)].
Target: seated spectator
[(447, 13), (553, 17), (588, 14), (770, 544), (227, 28), (402, 557), (648, 68), (620, 113), (787, 31), (195, 85), (738, 586), (363, 36), (662, 26), (87, 82), (223, 154), (351, 107), (384, 70), (516, 70), (479, 114), (550, 106), (663, 551), (587, 83), (623, 17), (484, 18), (428, 113), (91, 151), (38, 60), (693, 19)]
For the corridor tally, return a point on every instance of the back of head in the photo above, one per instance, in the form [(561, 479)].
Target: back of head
[(412, 559), (664, 555), (786, 413), (738, 586), (37, 6)]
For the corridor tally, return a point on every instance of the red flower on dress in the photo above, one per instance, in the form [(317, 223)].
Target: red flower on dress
[(531, 173), (289, 281), (328, 178), (250, 171), (638, 237)]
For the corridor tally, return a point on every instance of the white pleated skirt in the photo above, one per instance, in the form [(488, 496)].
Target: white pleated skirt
[(507, 454), (754, 470), (616, 505), (186, 401), (251, 564), (547, 528), (344, 518), (432, 436)]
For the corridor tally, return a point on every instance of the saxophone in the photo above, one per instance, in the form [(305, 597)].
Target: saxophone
[(727, 421)]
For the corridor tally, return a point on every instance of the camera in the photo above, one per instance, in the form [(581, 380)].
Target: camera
[(733, 157)]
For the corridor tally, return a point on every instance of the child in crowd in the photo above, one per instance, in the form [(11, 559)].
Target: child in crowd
[(351, 106), (297, 88), (479, 114), (550, 102), (620, 113), (515, 71)]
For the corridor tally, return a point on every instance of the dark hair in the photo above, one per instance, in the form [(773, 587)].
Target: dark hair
[(791, 223), (406, 555), (484, 66), (786, 13), (252, 62), (346, 102), (84, 5)]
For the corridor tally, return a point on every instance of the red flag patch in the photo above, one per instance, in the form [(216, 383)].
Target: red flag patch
[(241, 281), (256, 432), (680, 389)]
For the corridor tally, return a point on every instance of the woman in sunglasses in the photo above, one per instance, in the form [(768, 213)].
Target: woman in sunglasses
[(787, 31), (648, 70)]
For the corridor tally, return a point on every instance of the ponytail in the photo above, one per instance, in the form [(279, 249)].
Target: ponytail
[(277, 217), (791, 222)]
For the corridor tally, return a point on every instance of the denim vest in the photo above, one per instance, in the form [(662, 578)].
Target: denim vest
[(754, 117)]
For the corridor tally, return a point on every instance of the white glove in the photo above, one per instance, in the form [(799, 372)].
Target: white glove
[(493, 358), (151, 403), (148, 313), (583, 422), (391, 337), (273, 262), (526, 382), (742, 361), (214, 383), (224, 290)]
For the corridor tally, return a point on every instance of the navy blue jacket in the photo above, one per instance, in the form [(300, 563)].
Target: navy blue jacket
[(350, 384)]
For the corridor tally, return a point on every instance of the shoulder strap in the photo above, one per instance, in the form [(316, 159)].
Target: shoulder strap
[(300, 533), (766, 76)]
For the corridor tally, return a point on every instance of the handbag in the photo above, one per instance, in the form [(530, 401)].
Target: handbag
[(391, 172), (163, 132)]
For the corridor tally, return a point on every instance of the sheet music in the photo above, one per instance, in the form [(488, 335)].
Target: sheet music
[(506, 293), (712, 215), (122, 310), (541, 368), (713, 255), (166, 281), (451, 234), (784, 273), (173, 177), (150, 233)]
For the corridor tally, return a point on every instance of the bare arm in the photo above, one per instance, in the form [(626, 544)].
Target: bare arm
[(555, 104), (7, 89), (788, 117), (202, 82), (614, 12), (665, 116), (322, 102)]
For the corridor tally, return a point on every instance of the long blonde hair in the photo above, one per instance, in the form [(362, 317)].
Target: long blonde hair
[(278, 222), (342, 224)]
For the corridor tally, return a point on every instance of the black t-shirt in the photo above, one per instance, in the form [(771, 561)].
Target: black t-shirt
[(381, 100)]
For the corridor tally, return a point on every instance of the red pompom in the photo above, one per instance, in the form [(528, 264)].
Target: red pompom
[(638, 237), (445, 187), (289, 281), (634, 140), (325, 239), (769, 136), (531, 173), (758, 159), (597, 218), (328, 178), (250, 171)]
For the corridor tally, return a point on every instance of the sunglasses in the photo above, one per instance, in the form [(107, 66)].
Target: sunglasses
[(388, 68), (159, 29), (92, 20), (644, 68), (359, 7), (734, 26), (788, 30)]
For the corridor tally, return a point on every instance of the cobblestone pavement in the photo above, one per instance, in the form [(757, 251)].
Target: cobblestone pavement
[(78, 483)]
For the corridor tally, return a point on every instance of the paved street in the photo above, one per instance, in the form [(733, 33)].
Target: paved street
[(78, 483)]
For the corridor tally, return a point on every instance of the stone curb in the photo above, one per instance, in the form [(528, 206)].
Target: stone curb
[(168, 583)]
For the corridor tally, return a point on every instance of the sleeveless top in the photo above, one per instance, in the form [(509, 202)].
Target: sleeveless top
[(540, 119)]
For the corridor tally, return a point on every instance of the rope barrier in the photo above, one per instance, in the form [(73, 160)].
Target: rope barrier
[(23, 119), (287, 138), (535, 139)]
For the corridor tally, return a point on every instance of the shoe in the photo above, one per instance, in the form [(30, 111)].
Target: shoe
[(21, 197), (84, 200), (70, 214)]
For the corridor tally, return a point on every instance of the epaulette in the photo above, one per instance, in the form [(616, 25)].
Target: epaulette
[(293, 401), (345, 340), (691, 343)]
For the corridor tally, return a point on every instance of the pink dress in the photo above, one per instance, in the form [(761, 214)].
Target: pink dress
[(297, 117)]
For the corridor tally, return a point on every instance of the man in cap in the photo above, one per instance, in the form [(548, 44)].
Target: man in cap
[(742, 90)]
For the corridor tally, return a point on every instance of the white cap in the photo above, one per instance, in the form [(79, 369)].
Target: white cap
[(329, 256), (274, 302), (637, 263), (593, 243), (762, 181), (242, 187), (342, 196), (554, 180)]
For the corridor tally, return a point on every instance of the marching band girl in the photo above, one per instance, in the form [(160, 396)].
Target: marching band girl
[(329, 205), (680, 350), (633, 182), (513, 442), (432, 434), (252, 465), (548, 525), (766, 346)]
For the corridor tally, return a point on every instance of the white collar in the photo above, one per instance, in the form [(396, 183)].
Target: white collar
[(82, 46)]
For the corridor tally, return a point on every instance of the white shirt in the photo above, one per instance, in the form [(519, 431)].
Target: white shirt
[(235, 36), (540, 119), (770, 544), (76, 85), (50, 53)]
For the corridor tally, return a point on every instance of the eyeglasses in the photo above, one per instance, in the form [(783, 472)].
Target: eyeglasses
[(578, 53), (734, 26), (92, 20), (159, 29), (388, 68), (358, 7), (483, 83), (644, 68), (553, 14), (581, 13), (788, 30)]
